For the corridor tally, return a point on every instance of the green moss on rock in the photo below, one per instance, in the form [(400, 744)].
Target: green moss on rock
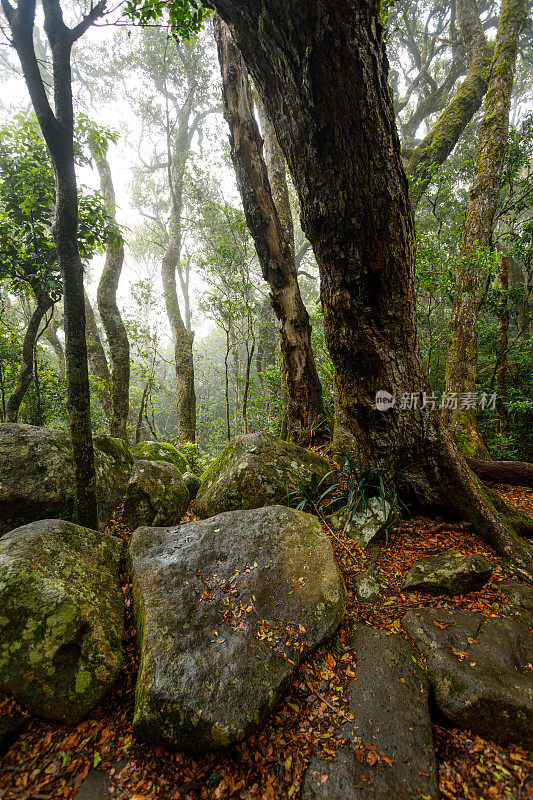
[(159, 451)]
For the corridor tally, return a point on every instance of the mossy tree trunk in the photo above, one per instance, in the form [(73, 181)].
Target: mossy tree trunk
[(265, 198), (98, 361), (461, 363), (359, 222), (115, 330)]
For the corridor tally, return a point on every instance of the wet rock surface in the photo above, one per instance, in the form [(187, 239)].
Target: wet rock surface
[(449, 573), (389, 700), (226, 610), (258, 470), (61, 617), (480, 669), (156, 495)]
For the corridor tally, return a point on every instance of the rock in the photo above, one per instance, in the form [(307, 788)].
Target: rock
[(159, 451), (389, 700), (192, 482), (61, 617), (11, 726), (156, 495), (519, 603), (226, 609), (480, 669), (450, 573), (258, 470), (37, 475), (366, 587), (366, 524), (112, 463), (95, 786)]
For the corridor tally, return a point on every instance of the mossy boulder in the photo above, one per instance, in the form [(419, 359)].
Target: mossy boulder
[(518, 601), (257, 470), (451, 572), (61, 617), (366, 524), (192, 482), (226, 610), (480, 669), (156, 495), (37, 475), (159, 451)]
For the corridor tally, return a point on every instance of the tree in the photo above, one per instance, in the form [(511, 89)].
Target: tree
[(478, 227), (58, 131), (266, 206)]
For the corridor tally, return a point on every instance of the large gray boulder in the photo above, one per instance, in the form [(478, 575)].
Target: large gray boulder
[(449, 573), (389, 702), (156, 495), (61, 617), (257, 470), (518, 601), (480, 669), (37, 475), (226, 609)]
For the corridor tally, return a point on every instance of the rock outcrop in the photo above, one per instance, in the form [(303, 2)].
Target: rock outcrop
[(258, 470), (481, 671), (156, 495), (449, 573), (61, 617), (226, 609)]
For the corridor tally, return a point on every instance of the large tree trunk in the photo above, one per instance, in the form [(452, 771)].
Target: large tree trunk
[(461, 361), (503, 347), (98, 361), (270, 224), (517, 473), (334, 121), (435, 148), (58, 132), (43, 304), (115, 330)]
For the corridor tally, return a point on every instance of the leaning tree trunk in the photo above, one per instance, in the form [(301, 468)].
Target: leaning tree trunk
[(461, 361), (25, 377), (115, 330), (356, 213), (444, 134), (271, 230), (98, 361)]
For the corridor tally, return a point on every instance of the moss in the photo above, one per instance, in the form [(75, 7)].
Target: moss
[(159, 451)]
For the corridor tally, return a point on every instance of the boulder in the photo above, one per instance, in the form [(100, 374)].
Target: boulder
[(61, 617), (366, 587), (37, 475), (366, 524), (519, 603), (159, 451), (449, 573), (156, 495), (480, 669), (389, 701), (226, 609), (192, 482), (258, 470)]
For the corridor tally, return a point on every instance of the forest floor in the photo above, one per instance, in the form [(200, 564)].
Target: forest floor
[(51, 761)]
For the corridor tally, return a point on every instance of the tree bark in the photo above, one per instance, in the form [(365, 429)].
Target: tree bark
[(270, 224), (435, 148), (98, 361), (461, 361), (51, 336), (43, 304), (115, 330), (516, 473), (335, 124), (58, 132), (503, 347)]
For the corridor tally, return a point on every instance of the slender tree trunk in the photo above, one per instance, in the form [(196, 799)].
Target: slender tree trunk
[(359, 222), (51, 336), (58, 132), (226, 384), (270, 222), (477, 232), (138, 428), (43, 304), (503, 347), (435, 148), (115, 330), (98, 361)]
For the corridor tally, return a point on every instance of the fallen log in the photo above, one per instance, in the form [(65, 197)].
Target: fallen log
[(516, 473)]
